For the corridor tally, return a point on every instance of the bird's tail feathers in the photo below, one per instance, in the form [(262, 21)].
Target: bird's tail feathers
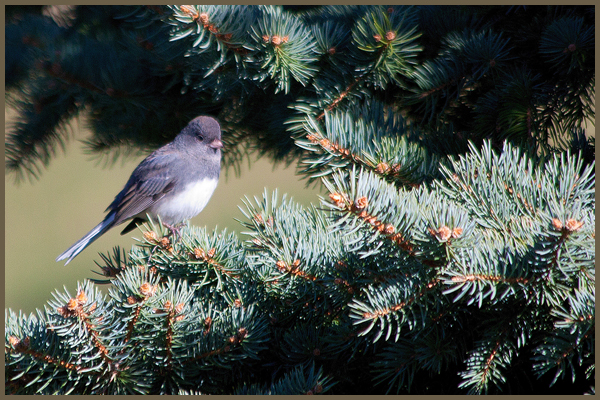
[(85, 241)]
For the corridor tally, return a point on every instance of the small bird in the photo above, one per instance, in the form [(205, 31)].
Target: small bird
[(174, 182)]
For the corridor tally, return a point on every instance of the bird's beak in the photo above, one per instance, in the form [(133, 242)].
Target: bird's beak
[(216, 144)]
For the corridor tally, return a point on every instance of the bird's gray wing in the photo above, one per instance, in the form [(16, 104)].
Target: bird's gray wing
[(150, 182)]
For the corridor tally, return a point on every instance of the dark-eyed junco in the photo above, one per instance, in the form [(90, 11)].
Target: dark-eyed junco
[(175, 182)]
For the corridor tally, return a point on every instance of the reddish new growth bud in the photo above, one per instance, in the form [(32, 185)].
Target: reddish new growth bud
[(492, 63), (390, 35), (312, 138), (456, 232), (389, 229), (204, 18), (443, 233), (131, 300), (281, 266), (147, 289), (207, 324), (237, 303), (377, 38), (168, 305), (338, 199), (572, 47), (72, 304), (361, 203), (211, 252), (382, 168), (316, 352), (259, 219), (72, 308), (165, 242), (557, 224), (151, 236), (14, 341), (285, 39), (199, 254), (266, 39), (319, 387), (276, 40), (81, 298), (573, 225), (331, 50), (325, 143), (295, 264), (242, 333)]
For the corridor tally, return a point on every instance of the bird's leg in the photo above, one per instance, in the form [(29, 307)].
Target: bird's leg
[(175, 230)]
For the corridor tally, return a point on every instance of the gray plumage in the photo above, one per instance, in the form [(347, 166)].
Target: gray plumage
[(175, 182)]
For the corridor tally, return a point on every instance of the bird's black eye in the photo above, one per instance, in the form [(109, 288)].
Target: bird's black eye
[(200, 138)]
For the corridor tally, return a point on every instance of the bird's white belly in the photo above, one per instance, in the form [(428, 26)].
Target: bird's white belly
[(186, 204)]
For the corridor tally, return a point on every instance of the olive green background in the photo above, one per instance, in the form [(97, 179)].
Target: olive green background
[(45, 216)]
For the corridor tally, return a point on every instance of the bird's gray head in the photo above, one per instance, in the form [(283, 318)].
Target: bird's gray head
[(203, 135)]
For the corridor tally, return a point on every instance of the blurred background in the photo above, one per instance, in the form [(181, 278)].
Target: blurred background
[(46, 216)]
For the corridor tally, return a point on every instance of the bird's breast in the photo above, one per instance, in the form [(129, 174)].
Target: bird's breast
[(185, 203)]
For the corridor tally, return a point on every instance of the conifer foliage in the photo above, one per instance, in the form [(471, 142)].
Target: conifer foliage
[(454, 252)]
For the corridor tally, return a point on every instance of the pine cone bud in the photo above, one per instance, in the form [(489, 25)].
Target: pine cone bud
[(382, 168), (456, 232), (81, 298), (361, 203), (199, 254), (338, 199), (557, 224), (281, 266), (72, 304), (14, 341), (147, 289), (151, 236), (165, 242), (573, 225), (443, 233), (390, 35), (204, 18)]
